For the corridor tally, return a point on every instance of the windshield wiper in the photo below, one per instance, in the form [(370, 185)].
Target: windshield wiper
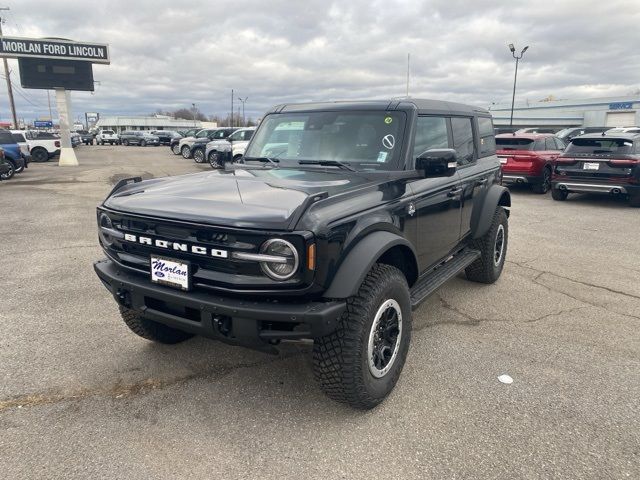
[(327, 163), (272, 161)]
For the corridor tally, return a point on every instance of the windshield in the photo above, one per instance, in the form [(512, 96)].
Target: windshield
[(365, 140), (600, 146), (514, 143)]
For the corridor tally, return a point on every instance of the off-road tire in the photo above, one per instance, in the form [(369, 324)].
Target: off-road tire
[(21, 168), (176, 149), (634, 200), (198, 155), (151, 330), (340, 359), (143, 143), (185, 151), (39, 154), (125, 143), (486, 269), (545, 185), (559, 195)]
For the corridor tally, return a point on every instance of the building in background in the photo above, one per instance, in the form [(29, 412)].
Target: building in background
[(120, 123), (588, 112)]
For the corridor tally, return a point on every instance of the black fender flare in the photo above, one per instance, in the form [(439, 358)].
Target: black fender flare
[(482, 215), (361, 259)]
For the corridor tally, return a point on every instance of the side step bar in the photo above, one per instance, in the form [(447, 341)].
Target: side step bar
[(434, 279)]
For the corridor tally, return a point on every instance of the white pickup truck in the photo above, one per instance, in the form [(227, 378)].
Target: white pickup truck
[(43, 145), (107, 136)]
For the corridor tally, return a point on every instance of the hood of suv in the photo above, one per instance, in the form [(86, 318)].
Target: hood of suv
[(251, 198)]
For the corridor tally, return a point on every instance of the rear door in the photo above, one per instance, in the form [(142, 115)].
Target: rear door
[(436, 200), (475, 144)]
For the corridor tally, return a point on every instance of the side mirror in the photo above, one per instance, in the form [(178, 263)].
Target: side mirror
[(438, 162)]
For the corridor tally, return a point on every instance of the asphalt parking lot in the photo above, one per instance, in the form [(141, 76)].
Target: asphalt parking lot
[(82, 397)]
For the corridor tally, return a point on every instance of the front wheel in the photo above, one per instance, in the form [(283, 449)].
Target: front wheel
[(151, 330), (125, 143), (39, 155), (176, 149), (186, 152), (143, 143), (198, 155), (214, 160), (493, 250), (9, 174), (359, 364), (20, 169)]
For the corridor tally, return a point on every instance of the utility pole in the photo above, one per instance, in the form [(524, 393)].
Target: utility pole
[(243, 102), (194, 114), (231, 117), (8, 78), (408, 71), (49, 102)]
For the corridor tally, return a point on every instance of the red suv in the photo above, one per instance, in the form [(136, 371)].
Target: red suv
[(527, 158)]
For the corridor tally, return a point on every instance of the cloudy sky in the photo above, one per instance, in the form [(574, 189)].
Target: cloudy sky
[(169, 54)]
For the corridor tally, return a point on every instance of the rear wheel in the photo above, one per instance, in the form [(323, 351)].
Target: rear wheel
[(559, 195), (360, 363), (143, 143), (545, 185), (176, 149), (185, 151), (39, 154), (198, 155), (151, 330), (493, 250), (20, 169), (125, 143)]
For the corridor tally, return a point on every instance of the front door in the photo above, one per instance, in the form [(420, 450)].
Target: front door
[(436, 200)]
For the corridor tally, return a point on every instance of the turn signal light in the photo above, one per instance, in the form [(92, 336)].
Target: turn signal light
[(311, 256)]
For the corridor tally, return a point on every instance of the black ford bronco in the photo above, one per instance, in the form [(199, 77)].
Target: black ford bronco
[(338, 222)]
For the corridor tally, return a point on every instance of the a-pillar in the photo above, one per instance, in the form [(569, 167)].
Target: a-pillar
[(67, 155)]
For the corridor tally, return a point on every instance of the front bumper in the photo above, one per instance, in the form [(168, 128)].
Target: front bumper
[(248, 322)]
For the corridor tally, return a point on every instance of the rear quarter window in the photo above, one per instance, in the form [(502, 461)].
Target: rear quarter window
[(600, 146), (487, 138)]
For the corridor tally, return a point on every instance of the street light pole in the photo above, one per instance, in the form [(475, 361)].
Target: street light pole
[(194, 114), (243, 102), (515, 77)]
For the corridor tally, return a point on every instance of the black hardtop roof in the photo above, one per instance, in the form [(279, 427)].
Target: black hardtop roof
[(422, 105), (619, 135)]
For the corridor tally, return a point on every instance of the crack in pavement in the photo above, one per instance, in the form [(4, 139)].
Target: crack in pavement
[(120, 390), (540, 273)]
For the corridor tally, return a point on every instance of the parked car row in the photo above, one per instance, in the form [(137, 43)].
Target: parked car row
[(606, 162), (212, 145)]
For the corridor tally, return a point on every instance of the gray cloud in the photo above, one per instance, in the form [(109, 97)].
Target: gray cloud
[(168, 54)]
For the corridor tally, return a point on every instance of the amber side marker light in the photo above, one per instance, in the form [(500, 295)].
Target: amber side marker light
[(311, 256)]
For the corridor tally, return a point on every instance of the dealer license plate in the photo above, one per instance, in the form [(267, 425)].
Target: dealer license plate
[(591, 166), (170, 272)]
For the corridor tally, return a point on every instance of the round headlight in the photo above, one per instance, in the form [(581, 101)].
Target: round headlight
[(105, 222), (286, 265)]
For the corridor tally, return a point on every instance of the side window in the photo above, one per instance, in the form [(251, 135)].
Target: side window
[(487, 138), (539, 145), (431, 132), (550, 144), (560, 144), (463, 139)]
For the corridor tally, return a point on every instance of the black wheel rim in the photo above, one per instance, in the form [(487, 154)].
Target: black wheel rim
[(498, 250), (384, 338)]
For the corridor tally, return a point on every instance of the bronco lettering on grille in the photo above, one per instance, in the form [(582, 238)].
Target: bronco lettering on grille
[(179, 247)]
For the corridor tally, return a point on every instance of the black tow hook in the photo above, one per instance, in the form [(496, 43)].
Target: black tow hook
[(123, 297)]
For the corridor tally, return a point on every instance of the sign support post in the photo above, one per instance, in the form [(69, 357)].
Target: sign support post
[(67, 155)]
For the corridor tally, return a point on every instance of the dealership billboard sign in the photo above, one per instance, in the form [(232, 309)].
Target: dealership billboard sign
[(17, 47)]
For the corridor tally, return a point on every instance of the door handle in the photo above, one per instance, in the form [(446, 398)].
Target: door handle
[(482, 183), (454, 192)]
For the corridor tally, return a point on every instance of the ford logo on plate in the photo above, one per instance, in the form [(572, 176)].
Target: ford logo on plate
[(159, 274)]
